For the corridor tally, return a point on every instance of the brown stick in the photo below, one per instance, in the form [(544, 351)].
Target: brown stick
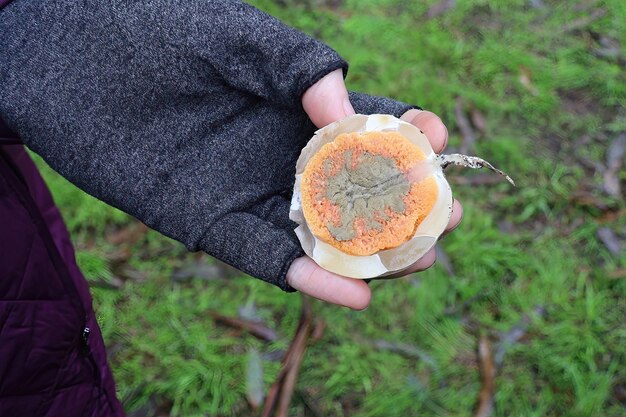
[(258, 330), (488, 375), (281, 392), (289, 383)]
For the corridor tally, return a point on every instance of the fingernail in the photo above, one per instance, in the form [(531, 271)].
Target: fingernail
[(347, 107)]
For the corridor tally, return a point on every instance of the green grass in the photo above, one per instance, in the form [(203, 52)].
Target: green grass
[(522, 255)]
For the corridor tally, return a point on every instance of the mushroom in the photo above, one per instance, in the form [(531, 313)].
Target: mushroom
[(370, 197)]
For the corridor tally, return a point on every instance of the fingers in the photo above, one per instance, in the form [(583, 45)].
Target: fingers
[(423, 263), (432, 126), (253, 245), (327, 101), (306, 276), (455, 218), (429, 259)]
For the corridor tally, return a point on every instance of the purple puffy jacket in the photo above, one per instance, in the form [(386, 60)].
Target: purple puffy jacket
[(52, 356)]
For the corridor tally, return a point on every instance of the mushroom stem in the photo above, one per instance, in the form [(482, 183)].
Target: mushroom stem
[(470, 162)]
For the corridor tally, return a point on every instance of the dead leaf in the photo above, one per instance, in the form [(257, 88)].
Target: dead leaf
[(440, 8), (249, 312), (607, 48), (126, 272), (610, 240), (590, 163), (584, 5), (618, 273), (128, 235), (611, 216), (198, 270), (255, 390), (619, 392), (506, 227), (614, 162), (584, 197), (537, 4)]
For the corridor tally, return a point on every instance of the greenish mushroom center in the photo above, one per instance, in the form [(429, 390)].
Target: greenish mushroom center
[(365, 191)]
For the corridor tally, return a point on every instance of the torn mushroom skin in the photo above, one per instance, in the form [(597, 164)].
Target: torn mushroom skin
[(370, 196)]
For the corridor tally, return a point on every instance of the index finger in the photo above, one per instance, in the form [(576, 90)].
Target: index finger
[(432, 126)]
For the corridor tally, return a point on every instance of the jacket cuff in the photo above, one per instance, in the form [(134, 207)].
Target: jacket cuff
[(307, 81), (281, 280), (366, 104)]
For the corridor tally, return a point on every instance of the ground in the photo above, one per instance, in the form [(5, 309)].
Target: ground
[(525, 307)]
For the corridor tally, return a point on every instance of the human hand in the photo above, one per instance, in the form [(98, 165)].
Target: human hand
[(325, 102), (188, 118)]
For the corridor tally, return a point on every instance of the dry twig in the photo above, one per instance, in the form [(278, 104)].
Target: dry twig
[(488, 375), (279, 396), (256, 329)]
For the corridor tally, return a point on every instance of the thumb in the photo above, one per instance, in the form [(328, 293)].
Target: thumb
[(327, 100)]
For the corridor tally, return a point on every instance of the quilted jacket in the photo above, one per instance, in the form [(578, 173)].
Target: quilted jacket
[(52, 357)]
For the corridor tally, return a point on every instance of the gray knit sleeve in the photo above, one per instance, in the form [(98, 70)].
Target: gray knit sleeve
[(185, 115), (367, 104), (247, 48)]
